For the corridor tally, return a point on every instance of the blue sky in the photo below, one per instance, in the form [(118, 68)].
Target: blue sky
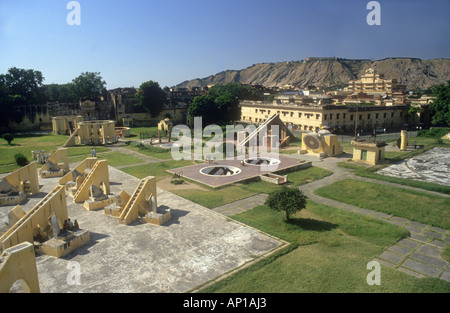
[(169, 41)]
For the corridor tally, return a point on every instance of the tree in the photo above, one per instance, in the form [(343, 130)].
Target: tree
[(88, 85), (22, 82), (287, 199), (204, 107), (8, 137), (440, 107), (18, 89), (151, 98)]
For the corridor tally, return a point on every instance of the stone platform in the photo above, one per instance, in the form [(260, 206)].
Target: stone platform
[(197, 245), (432, 166)]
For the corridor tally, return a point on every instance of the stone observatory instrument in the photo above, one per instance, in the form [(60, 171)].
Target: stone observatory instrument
[(313, 141)]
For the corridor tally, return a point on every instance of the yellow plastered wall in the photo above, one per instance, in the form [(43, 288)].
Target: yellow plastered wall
[(97, 132), (80, 168), (25, 174), (60, 156), (137, 203), (53, 203), (329, 144), (19, 263), (98, 176), (373, 154)]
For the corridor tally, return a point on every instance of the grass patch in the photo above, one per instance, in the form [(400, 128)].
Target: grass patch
[(446, 253), (213, 198), (157, 169), (25, 144), (155, 152), (329, 252), (119, 159), (369, 172), (135, 132), (413, 205)]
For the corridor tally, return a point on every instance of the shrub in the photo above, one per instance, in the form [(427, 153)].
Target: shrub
[(436, 133), (21, 159), (8, 137)]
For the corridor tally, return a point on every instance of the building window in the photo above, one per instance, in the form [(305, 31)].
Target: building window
[(384, 115), (376, 115), (325, 117), (392, 114), (360, 116), (368, 116), (337, 116), (344, 115), (299, 115), (351, 117), (317, 116), (292, 114)]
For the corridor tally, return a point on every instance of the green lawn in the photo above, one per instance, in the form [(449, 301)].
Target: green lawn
[(216, 197), (135, 132), (329, 252), (158, 169), (413, 205), (25, 144), (155, 152), (119, 159)]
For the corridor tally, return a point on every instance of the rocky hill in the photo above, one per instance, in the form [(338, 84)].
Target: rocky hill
[(332, 72)]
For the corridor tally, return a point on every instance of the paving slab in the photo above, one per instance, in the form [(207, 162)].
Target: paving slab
[(413, 229), (433, 234), (437, 262), (399, 249), (409, 272), (430, 250), (412, 244), (439, 230), (385, 262), (446, 276), (392, 257), (438, 243), (417, 224), (418, 237), (422, 268)]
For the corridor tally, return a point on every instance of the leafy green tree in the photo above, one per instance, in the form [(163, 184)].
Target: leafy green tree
[(18, 88), (205, 107), (237, 90), (63, 93), (88, 85), (151, 98), (228, 107), (8, 137), (440, 107), (25, 83), (287, 199)]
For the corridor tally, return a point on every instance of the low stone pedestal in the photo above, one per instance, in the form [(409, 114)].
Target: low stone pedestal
[(91, 204), (159, 218), (66, 242)]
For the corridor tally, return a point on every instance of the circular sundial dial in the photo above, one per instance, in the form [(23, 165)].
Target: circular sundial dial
[(312, 142)]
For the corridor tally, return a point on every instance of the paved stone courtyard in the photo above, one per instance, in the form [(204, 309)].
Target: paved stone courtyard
[(432, 166), (196, 246)]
